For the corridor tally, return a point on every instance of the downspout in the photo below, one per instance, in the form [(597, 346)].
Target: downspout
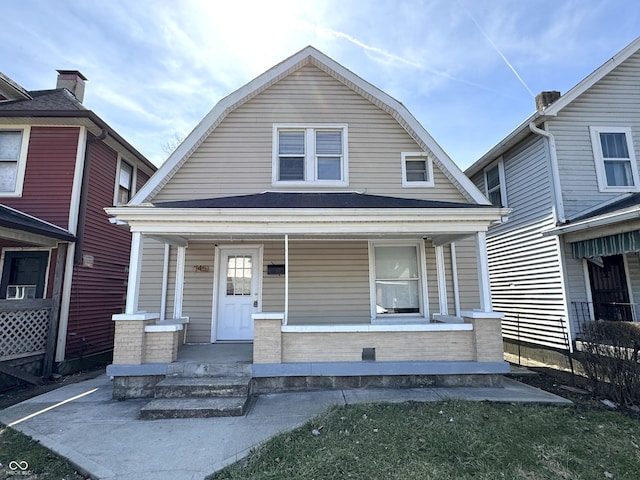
[(84, 195), (560, 219), (555, 172)]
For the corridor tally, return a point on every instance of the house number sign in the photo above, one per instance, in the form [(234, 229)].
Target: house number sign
[(201, 268)]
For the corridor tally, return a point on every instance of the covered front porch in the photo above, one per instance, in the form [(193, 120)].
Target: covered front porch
[(320, 292)]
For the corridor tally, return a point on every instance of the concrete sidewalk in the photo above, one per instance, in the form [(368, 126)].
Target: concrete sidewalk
[(105, 438)]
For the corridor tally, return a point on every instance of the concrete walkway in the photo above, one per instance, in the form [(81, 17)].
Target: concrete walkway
[(105, 438)]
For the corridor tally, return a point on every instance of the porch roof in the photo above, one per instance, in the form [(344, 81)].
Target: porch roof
[(342, 215), (313, 200), (14, 224)]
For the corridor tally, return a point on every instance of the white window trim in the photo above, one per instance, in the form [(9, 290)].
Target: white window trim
[(310, 157), (22, 159), (424, 298), (503, 183), (599, 159), (134, 179), (409, 155)]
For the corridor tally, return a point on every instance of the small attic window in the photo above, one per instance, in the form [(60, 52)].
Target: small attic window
[(417, 170)]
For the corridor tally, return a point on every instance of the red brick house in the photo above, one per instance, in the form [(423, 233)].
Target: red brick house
[(63, 265)]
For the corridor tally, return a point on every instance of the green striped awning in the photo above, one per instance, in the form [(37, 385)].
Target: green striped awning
[(606, 246)]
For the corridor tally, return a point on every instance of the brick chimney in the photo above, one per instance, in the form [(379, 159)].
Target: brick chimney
[(73, 81), (544, 99)]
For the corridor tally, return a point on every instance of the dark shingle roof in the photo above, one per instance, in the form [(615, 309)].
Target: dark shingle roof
[(628, 202), (59, 99), (312, 200), (16, 220)]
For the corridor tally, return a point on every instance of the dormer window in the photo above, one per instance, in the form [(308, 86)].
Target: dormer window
[(304, 155)]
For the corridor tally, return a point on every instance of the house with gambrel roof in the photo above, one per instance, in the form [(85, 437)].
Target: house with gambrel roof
[(311, 216)]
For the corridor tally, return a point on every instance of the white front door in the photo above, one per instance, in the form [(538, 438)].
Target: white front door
[(238, 292)]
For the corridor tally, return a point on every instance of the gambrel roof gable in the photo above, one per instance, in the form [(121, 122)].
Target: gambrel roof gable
[(308, 56)]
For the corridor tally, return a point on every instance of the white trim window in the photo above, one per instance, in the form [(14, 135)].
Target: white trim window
[(310, 154), (616, 167), (126, 182), (417, 169), (397, 279), (13, 160), (495, 185)]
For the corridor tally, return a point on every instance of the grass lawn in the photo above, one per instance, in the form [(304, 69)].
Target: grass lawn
[(451, 440), (23, 457)]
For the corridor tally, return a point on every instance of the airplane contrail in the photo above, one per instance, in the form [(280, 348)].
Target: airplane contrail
[(499, 52)]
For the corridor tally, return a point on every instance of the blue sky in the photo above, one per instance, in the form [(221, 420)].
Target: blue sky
[(466, 69)]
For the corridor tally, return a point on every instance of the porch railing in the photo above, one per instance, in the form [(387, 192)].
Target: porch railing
[(23, 327), (585, 312)]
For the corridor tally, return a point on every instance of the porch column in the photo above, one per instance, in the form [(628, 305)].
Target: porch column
[(135, 271), (286, 279), (179, 291), (442, 281), (165, 282), (454, 272), (484, 284)]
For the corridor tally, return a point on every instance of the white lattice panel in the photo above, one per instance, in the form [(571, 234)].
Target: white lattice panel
[(23, 332)]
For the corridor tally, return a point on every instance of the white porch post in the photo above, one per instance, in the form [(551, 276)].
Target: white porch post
[(286, 279), (442, 281), (483, 272), (135, 271), (165, 282), (454, 271), (180, 263)]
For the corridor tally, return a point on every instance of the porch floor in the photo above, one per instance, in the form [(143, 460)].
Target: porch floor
[(218, 353)]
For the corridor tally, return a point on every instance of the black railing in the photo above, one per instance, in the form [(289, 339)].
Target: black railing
[(585, 312)]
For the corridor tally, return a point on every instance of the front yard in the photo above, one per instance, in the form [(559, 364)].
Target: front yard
[(451, 440)]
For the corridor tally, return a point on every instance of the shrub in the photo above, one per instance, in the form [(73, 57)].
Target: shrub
[(610, 359)]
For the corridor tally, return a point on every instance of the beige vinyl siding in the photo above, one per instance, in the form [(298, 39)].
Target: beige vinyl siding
[(467, 267), (236, 159), (197, 299), (273, 285), (150, 296), (613, 101), (524, 265), (328, 282)]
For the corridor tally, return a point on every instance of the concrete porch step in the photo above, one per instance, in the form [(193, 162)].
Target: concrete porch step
[(166, 408), (201, 387), (199, 369)]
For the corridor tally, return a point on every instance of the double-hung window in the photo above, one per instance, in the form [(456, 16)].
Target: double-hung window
[(13, 146), (417, 170), (310, 155), (616, 167), (495, 185), (124, 188), (397, 279)]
